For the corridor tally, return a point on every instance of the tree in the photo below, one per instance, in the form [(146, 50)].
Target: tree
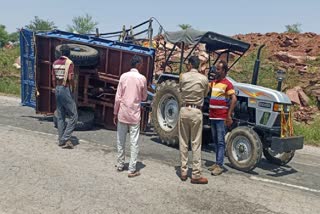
[(41, 25), (184, 26), (3, 35), (82, 24), (13, 37), (294, 28)]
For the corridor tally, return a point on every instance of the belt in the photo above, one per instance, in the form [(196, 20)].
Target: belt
[(192, 106), (60, 82)]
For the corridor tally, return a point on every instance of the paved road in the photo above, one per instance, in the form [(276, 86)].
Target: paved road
[(38, 177)]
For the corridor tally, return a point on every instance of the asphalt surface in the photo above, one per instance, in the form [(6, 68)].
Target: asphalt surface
[(89, 183)]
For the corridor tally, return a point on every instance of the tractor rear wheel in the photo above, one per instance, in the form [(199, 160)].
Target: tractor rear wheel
[(165, 112)]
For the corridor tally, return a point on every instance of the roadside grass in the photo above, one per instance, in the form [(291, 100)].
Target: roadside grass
[(310, 132), (9, 75), (243, 70), (10, 85)]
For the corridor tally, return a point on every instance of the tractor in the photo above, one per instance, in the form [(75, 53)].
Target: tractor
[(262, 116)]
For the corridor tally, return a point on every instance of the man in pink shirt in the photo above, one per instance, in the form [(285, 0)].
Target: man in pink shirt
[(132, 89)]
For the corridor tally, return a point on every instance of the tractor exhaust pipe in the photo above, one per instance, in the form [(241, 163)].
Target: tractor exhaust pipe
[(256, 67)]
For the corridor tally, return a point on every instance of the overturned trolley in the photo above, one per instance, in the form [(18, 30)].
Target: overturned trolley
[(99, 64)]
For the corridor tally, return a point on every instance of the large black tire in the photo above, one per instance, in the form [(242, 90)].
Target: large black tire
[(244, 148), (280, 159), (81, 55), (165, 112), (85, 120)]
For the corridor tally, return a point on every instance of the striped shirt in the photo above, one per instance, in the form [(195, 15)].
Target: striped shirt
[(221, 90), (59, 68)]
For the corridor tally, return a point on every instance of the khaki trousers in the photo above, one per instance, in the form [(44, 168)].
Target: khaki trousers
[(190, 130)]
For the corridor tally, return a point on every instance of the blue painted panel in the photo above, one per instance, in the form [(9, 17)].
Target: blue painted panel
[(27, 53)]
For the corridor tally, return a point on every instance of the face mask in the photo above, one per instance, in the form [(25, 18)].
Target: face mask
[(213, 74)]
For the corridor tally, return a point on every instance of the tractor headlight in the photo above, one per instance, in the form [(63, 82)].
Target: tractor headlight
[(278, 107), (281, 107)]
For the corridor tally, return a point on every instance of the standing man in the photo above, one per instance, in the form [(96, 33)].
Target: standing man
[(222, 103), (62, 79), (194, 87), (132, 89)]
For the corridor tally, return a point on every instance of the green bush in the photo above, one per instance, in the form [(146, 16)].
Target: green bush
[(9, 75), (310, 132), (243, 70), (294, 28), (7, 59)]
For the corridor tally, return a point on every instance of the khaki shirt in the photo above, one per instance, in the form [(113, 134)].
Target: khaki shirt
[(193, 87)]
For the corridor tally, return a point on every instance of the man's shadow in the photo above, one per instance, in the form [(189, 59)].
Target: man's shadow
[(178, 171), (139, 166)]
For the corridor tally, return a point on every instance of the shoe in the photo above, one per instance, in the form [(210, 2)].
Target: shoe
[(211, 168), (217, 171), (133, 174), (61, 144), (68, 145), (183, 177), (201, 180)]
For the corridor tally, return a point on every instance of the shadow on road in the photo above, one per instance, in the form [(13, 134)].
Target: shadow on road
[(272, 169), (178, 172), (40, 118), (275, 170), (139, 166)]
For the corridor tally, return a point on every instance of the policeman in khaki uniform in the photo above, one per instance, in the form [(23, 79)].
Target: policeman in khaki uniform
[(194, 87)]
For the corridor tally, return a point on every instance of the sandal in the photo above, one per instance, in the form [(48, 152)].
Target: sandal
[(133, 174)]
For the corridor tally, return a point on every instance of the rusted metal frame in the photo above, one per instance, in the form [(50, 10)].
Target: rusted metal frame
[(143, 23), (181, 58), (148, 67), (104, 77), (107, 60), (118, 32), (50, 73), (103, 103), (76, 84), (85, 90), (120, 64), (141, 32), (36, 62), (45, 87), (150, 32)]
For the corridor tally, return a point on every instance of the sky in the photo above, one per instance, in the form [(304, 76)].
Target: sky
[(228, 17)]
